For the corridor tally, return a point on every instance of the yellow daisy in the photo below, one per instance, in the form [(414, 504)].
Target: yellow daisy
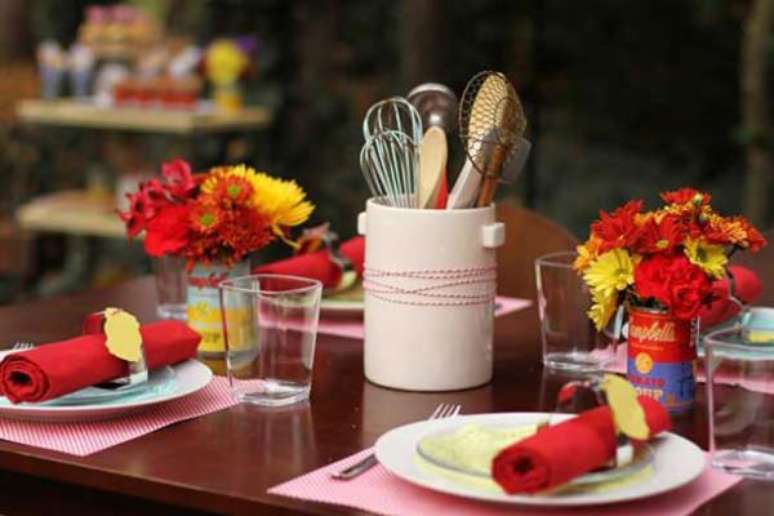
[(611, 272), (710, 258), (603, 307)]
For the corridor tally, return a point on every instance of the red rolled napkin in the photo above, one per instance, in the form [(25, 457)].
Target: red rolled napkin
[(318, 265), (562, 452), (53, 370), (747, 287)]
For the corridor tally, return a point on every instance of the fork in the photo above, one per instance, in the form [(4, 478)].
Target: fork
[(443, 410), (21, 346)]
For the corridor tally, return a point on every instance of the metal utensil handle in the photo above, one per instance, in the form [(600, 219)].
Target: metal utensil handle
[(357, 468), (492, 176)]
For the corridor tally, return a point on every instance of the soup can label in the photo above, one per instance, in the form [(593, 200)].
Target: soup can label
[(661, 359), (204, 302)]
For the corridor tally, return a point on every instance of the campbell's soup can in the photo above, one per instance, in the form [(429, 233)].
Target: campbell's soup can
[(204, 303), (661, 358)]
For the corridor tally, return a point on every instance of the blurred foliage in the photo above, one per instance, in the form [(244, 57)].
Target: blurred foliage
[(625, 98)]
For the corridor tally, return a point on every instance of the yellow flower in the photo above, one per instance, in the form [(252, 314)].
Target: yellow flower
[(603, 308), (710, 258), (282, 202), (611, 272)]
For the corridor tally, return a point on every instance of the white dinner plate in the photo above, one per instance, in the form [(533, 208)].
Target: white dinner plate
[(166, 384), (349, 303), (677, 462)]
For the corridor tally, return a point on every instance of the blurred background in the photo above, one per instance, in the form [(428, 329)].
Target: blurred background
[(624, 99)]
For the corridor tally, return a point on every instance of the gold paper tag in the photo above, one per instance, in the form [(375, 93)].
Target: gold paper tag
[(628, 415), (123, 335)]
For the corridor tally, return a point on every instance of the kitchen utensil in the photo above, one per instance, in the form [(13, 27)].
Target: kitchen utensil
[(491, 115), (444, 410), (436, 104), (389, 162), (393, 114), (21, 346), (465, 191), (432, 166)]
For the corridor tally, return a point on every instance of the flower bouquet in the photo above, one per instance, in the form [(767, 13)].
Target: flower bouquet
[(214, 221), (661, 266)]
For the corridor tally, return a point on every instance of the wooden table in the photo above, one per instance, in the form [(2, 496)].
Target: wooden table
[(226, 461)]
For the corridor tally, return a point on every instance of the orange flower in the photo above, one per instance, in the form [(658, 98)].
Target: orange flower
[(205, 217)]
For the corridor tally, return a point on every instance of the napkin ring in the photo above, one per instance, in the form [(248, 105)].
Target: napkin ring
[(624, 452), (348, 276), (138, 371)]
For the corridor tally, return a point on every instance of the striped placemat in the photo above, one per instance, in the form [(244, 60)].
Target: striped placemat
[(83, 439)]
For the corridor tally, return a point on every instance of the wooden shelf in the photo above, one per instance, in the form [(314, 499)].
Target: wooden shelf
[(69, 113), (73, 212)]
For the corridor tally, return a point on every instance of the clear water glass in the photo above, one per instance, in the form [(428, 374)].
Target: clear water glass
[(570, 341), (170, 275), (270, 330), (740, 380)]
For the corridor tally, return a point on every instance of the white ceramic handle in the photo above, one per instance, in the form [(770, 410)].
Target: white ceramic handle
[(493, 235), (361, 223)]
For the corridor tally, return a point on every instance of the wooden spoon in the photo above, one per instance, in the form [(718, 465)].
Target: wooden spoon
[(432, 166)]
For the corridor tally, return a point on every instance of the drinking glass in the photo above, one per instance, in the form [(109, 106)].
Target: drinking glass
[(170, 275), (570, 340), (740, 380), (270, 329)]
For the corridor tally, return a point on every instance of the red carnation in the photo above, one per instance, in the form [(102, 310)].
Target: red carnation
[(689, 287), (674, 282), (617, 229), (686, 195), (167, 233), (651, 278)]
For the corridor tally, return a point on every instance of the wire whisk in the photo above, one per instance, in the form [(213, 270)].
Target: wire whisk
[(393, 114), (389, 161)]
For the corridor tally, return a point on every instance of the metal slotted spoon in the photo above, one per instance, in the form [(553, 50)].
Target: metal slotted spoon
[(491, 122)]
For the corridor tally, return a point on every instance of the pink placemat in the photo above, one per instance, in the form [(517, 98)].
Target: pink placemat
[(759, 383), (86, 438), (380, 492), (353, 329)]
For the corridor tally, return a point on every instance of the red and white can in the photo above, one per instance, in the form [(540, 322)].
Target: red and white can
[(661, 360)]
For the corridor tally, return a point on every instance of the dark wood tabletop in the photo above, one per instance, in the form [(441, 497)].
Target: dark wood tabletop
[(225, 462)]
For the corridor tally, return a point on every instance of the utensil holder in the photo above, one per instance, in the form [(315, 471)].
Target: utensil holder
[(430, 284)]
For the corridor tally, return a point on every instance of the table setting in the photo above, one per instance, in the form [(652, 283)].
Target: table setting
[(379, 360)]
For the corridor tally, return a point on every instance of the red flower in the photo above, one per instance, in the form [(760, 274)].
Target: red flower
[(180, 182), (661, 237), (686, 195), (675, 282), (167, 233), (618, 228), (651, 278)]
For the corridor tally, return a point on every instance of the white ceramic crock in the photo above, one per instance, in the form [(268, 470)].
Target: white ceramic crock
[(429, 343)]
